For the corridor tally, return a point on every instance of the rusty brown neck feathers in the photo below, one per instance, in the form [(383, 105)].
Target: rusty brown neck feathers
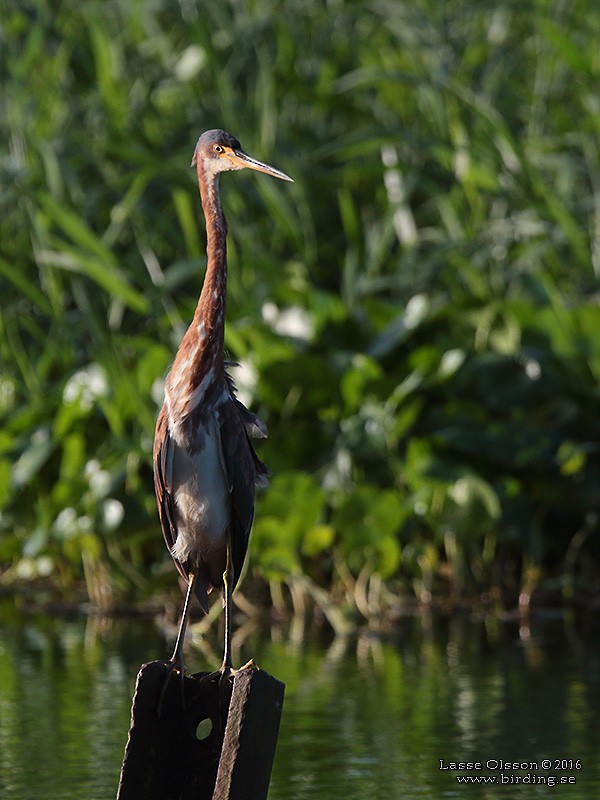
[(198, 366), (211, 305)]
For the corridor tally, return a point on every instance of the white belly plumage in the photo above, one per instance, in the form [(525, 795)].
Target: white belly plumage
[(202, 508)]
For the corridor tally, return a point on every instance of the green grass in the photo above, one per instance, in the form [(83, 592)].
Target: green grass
[(436, 425)]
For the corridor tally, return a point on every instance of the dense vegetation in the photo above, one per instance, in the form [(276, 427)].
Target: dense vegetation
[(416, 316)]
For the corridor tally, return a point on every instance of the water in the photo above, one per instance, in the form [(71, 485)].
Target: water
[(363, 718)]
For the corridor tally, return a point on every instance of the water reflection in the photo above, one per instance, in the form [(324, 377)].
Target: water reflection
[(363, 718)]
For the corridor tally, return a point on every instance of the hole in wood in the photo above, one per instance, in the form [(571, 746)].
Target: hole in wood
[(204, 729)]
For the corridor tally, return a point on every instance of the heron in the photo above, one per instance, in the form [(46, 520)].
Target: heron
[(205, 468)]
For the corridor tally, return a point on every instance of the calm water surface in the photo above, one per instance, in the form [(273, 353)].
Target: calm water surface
[(363, 718)]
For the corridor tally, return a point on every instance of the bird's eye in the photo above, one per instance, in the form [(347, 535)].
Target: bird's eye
[(217, 148)]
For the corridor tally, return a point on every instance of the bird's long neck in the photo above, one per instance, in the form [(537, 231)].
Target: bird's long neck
[(198, 366), (210, 312)]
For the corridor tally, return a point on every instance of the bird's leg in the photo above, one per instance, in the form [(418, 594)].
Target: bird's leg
[(177, 657), (176, 660), (227, 671), (227, 664)]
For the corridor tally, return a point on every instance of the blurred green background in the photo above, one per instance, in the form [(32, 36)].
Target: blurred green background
[(416, 317)]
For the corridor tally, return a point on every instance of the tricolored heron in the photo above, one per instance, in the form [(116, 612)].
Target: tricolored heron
[(205, 468)]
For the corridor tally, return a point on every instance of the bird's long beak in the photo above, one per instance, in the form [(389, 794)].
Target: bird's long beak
[(243, 160)]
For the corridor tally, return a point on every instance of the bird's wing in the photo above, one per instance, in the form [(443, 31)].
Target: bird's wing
[(244, 471), (163, 481)]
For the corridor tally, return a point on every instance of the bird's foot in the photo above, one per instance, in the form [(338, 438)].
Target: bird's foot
[(248, 665), (173, 665), (227, 671)]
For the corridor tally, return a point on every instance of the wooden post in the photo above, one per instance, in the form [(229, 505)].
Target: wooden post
[(237, 721), (250, 737)]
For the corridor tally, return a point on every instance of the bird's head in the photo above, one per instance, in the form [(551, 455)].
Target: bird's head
[(219, 151)]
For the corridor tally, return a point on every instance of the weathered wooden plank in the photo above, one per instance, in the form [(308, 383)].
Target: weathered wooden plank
[(164, 759), (250, 736), (237, 720)]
